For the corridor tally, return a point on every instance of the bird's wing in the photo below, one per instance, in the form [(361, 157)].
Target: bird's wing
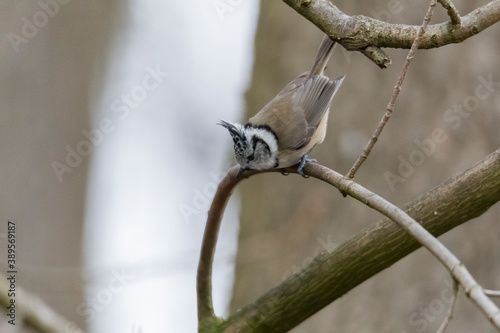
[(312, 100), (279, 114), (296, 112)]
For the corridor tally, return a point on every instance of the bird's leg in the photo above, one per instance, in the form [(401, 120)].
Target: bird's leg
[(302, 163)]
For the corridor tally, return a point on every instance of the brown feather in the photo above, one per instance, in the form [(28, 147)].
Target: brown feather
[(298, 114)]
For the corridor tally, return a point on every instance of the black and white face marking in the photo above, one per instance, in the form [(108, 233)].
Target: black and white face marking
[(255, 148)]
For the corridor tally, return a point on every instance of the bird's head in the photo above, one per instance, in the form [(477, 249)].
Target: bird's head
[(255, 147)]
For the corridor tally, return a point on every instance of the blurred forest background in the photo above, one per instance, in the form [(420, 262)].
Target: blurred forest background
[(47, 95)]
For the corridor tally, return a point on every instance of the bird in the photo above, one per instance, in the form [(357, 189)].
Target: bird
[(286, 129)]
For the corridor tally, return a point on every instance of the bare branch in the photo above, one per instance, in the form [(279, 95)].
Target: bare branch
[(449, 314), (492, 293), (358, 32), (377, 55), (206, 315), (332, 274), (452, 11), (395, 93)]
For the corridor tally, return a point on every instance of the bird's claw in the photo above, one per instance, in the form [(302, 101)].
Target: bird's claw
[(302, 163)]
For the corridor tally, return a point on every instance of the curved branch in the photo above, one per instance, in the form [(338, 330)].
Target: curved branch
[(358, 32), (206, 315), (332, 274)]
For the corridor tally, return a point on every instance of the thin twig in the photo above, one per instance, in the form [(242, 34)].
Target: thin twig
[(449, 314), (492, 293), (395, 93), (452, 11)]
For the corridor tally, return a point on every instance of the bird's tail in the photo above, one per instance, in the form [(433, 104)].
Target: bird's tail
[(324, 52)]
